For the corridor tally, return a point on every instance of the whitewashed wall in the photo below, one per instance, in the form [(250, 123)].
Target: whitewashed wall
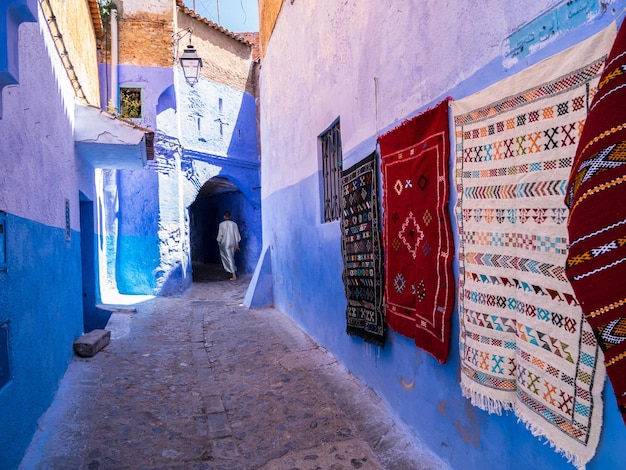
[(414, 50)]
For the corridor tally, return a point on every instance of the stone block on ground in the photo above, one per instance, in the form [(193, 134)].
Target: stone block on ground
[(90, 343)]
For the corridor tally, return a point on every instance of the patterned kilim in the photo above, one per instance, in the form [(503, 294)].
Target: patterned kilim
[(419, 283), (524, 343), (362, 257), (596, 263)]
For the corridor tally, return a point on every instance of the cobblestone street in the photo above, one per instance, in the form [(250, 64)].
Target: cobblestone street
[(201, 382)]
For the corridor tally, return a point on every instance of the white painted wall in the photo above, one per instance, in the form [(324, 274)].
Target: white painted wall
[(39, 165), (416, 50)]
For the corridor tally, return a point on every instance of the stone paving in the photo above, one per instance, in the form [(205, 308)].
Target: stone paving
[(201, 382)]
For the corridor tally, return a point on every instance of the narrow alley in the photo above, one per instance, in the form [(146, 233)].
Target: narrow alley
[(201, 382)]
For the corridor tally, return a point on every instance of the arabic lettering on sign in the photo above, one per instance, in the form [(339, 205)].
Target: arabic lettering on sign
[(565, 16)]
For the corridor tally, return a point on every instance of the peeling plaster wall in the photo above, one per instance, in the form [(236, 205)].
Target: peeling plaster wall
[(200, 132), (40, 289), (374, 65)]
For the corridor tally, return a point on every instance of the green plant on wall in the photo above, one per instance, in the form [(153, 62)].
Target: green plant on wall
[(106, 7), (130, 103)]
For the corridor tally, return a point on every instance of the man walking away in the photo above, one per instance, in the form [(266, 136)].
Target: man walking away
[(228, 239)]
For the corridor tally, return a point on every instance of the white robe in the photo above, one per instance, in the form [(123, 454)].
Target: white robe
[(228, 239)]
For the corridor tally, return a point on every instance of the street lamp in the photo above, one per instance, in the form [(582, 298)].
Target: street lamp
[(189, 60), (191, 64)]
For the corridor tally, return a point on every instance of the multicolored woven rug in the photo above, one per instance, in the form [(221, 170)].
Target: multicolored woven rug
[(419, 283), (596, 195), (524, 343), (362, 254)]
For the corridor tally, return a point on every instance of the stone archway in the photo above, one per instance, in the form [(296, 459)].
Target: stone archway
[(216, 195)]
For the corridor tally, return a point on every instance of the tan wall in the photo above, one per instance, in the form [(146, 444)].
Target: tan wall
[(225, 60), (73, 18), (268, 14)]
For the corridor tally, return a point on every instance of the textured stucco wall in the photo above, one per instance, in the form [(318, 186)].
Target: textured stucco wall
[(200, 133), (403, 48), (373, 65), (40, 291)]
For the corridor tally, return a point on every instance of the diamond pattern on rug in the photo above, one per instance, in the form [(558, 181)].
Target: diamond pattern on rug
[(419, 289)]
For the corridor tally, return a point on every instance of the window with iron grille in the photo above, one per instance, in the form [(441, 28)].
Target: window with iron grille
[(331, 160)]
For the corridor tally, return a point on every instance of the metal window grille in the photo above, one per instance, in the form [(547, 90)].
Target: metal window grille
[(331, 171)]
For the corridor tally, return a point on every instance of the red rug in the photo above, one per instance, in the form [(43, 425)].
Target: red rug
[(419, 284), (596, 195)]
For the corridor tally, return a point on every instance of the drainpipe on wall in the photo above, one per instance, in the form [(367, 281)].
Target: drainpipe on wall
[(114, 61)]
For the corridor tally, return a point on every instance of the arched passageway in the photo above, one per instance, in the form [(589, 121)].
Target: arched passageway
[(217, 195)]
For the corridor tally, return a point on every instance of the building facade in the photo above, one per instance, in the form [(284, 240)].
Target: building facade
[(206, 147), (361, 71), (114, 175)]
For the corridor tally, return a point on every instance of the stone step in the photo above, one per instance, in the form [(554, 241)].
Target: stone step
[(90, 343)]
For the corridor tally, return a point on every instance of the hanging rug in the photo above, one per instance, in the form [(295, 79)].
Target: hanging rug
[(524, 344), (419, 283), (361, 250), (596, 195)]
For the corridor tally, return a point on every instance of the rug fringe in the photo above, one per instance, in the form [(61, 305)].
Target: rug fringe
[(492, 406), (484, 402), (367, 337), (572, 458)]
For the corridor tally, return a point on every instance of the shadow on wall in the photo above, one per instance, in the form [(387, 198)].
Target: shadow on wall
[(177, 281)]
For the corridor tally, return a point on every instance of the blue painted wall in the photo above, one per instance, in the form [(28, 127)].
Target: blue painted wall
[(138, 254), (12, 13), (93, 317), (40, 296), (41, 288)]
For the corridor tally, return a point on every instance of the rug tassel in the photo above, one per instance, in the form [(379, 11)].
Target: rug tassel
[(484, 402), (497, 407)]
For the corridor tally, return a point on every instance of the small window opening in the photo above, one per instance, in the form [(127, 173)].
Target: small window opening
[(331, 160), (131, 103)]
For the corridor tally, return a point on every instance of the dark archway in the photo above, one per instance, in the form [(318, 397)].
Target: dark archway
[(217, 195)]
